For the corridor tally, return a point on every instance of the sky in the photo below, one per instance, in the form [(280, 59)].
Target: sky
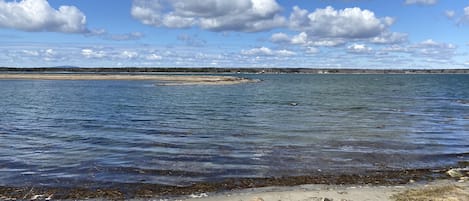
[(376, 34)]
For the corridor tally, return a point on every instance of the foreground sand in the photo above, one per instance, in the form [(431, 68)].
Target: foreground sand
[(164, 79), (442, 190)]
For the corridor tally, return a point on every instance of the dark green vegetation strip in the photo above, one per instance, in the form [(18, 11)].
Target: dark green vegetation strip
[(238, 70)]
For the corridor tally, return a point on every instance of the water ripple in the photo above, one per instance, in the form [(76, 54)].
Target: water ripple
[(69, 133)]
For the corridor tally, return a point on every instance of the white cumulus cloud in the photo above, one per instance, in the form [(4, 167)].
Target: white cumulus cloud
[(345, 23), (153, 57), (213, 15), (126, 54), (265, 51), (301, 38), (31, 52), (280, 38), (89, 53), (359, 49), (258, 51), (435, 50), (285, 53), (38, 15), (304, 40), (328, 42), (390, 38)]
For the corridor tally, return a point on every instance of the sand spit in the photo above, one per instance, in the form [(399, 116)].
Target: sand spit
[(162, 79)]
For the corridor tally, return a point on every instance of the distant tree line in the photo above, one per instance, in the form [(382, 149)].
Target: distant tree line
[(235, 70)]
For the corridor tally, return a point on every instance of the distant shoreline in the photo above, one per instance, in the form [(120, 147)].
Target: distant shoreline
[(239, 70)]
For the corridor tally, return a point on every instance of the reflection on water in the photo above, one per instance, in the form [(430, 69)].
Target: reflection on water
[(99, 132)]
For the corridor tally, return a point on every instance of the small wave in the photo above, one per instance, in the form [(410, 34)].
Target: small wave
[(463, 102)]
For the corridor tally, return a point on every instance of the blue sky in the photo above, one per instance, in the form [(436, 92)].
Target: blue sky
[(238, 33)]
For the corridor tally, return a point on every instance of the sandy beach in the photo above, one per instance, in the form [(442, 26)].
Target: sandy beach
[(452, 185), (441, 190), (163, 79)]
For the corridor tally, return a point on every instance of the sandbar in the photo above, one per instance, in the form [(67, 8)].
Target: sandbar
[(162, 79)]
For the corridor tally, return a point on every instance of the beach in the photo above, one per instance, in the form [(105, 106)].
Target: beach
[(440, 190), (164, 79), (405, 185)]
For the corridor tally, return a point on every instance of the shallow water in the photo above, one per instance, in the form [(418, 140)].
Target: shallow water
[(70, 133)]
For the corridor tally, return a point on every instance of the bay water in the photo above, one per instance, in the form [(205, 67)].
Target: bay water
[(69, 133)]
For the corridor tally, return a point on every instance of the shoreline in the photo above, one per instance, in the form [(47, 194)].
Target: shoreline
[(439, 190), (226, 188), (268, 70), (162, 79)]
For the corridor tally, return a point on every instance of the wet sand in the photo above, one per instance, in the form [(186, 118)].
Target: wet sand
[(162, 79)]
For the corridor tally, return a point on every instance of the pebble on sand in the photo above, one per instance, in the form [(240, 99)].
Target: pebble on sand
[(257, 199), (454, 173)]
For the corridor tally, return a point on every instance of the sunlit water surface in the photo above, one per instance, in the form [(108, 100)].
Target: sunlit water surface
[(66, 133)]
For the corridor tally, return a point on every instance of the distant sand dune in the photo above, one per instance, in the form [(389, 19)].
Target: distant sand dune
[(164, 79)]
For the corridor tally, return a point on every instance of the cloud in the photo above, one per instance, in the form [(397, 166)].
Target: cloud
[(258, 51), (435, 55), (359, 49), (125, 37), (31, 52), (153, 57), (465, 18), (329, 28), (264, 51), (285, 53), (280, 38), (192, 40), (38, 15), (213, 15), (89, 53), (425, 53), (45, 54), (450, 13), (396, 48), (421, 2), (312, 50), (352, 23), (102, 33), (328, 42), (435, 50), (390, 38), (96, 32), (304, 40), (127, 54), (300, 39)]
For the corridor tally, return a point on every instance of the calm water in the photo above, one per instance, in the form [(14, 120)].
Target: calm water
[(66, 133)]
